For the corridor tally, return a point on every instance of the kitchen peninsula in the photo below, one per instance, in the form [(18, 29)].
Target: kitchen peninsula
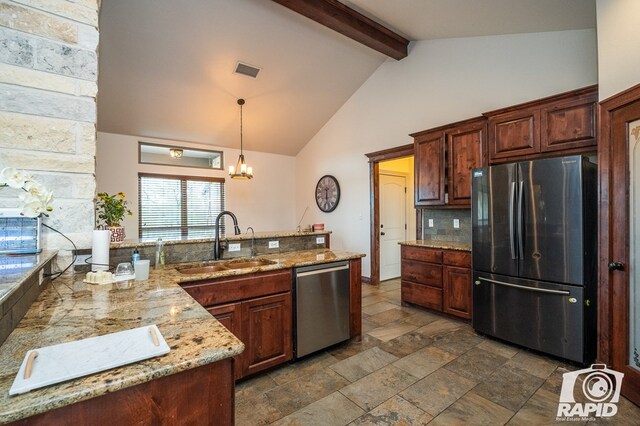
[(194, 383)]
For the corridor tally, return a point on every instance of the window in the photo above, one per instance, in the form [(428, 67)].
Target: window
[(173, 207)]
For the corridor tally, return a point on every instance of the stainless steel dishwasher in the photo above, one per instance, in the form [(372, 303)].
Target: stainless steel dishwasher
[(321, 309)]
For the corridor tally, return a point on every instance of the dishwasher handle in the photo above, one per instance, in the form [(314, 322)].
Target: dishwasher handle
[(321, 271)]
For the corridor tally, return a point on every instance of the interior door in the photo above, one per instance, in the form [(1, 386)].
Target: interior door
[(392, 223), (619, 301)]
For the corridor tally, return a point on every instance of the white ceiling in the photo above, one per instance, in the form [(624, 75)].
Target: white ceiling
[(166, 66), (433, 19)]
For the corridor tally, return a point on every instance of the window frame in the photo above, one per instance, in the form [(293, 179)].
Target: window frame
[(184, 227)]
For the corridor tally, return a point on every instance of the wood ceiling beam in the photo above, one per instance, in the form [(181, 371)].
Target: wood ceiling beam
[(346, 21)]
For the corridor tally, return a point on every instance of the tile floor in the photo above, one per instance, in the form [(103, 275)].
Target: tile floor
[(412, 367)]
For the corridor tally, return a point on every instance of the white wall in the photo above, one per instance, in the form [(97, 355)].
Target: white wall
[(267, 202), (618, 45), (441, 81)]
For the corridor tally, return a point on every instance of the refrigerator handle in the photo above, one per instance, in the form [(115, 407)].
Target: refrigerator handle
[(512, 236), (520, 222)]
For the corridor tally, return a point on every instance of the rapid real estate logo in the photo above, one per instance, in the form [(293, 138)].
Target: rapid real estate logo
[(600, 387)]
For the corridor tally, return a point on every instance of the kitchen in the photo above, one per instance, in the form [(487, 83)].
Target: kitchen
[(383, 101)]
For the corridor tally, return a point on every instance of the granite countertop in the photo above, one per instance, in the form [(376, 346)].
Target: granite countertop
[(282, 261), (435, 244), (70, 310), (132, 243), (15, 270)]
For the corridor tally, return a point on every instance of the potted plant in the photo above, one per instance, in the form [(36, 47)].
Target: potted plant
[(111, 211)]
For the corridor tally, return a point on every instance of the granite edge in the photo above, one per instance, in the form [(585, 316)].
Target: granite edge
[(44, 257), (442, 245)]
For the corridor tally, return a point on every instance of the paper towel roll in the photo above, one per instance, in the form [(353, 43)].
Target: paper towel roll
[(100, 250)]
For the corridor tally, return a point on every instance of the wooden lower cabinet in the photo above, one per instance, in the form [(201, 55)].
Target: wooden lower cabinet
[(257, 310), (437, 279), (456, 291), (200, 396), (266, 324)]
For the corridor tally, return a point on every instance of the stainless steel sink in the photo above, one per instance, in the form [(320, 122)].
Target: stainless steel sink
[(202, 269), (247, 263)]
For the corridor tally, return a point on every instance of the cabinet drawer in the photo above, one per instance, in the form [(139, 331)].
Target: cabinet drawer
[(457, 258), (231, 289), (422, 254), (422, 273), (422, 295)]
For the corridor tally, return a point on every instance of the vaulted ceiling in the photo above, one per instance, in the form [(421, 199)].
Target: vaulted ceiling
[(166, 66)]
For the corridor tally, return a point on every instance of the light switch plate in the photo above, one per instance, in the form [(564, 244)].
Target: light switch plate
[(234, 247), (430, 223), (319, 240), (274, 244), (456, 223)]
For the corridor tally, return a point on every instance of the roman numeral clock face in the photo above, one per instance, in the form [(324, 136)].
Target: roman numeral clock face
[(327, 193)]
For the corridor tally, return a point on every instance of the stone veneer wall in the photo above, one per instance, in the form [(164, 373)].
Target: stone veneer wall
[(48, 88)]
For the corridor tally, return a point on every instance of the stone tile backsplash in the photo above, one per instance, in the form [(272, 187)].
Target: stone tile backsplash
[(443, 229)]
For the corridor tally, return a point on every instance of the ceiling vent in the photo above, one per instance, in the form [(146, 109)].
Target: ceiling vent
[(247, 70)]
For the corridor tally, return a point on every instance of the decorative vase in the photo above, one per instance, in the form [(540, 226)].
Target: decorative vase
[(117, 233)]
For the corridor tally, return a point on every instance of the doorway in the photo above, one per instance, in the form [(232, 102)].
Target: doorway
[(393, 226), (383, 166), (619, 238)]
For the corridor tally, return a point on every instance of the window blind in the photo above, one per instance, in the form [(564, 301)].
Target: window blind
[(173, 207)]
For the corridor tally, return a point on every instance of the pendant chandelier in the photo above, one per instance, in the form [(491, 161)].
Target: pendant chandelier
[(241, 170)]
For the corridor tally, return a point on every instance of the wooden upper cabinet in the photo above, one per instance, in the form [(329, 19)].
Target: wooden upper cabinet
[(570, 124), (465, 152), (444, 157), (513, 134), (557, 125), (429, 166)]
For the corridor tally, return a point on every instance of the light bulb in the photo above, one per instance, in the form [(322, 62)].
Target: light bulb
[(232, 170), (243, 168), (250, 170)]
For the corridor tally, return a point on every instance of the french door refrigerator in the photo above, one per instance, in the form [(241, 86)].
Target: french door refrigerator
[(534, 229)]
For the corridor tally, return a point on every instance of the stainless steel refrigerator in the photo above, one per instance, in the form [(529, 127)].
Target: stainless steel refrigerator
[(534, 255)]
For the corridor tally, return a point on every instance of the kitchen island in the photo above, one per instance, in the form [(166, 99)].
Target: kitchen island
[(193, 383)]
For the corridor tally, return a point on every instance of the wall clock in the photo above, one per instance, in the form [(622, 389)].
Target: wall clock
[(327, 193)]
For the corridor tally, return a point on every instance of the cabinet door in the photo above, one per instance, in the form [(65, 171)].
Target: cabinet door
[(569, 125), (429, 169), (456, 298), (266, 325), (513, 134), (465, 151), (229, 316)]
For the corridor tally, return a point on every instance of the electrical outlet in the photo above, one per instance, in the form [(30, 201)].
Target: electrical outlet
[(430, 223), (81, 259), (319, 240), (234, 246), (456, 223), (274, 244)]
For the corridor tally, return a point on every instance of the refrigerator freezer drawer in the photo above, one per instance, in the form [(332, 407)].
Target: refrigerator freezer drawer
[(541, 316)]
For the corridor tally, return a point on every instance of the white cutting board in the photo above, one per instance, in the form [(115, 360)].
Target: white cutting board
[(66, 361)]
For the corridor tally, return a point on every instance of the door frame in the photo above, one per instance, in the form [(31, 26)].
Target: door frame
[(611, 322), (374, 202)]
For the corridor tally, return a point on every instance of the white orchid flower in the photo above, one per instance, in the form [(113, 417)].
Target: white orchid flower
[(12, 178)]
